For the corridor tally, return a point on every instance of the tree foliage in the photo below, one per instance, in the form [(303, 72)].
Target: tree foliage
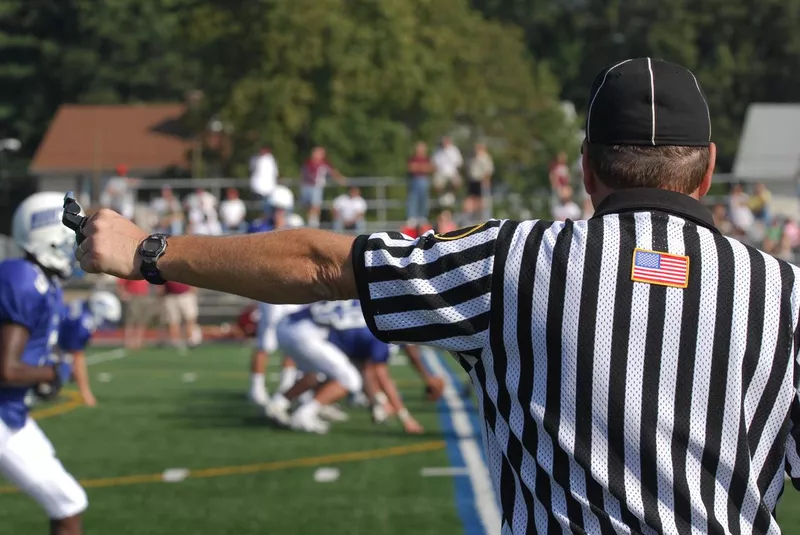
[(366, 79), (742, 51), (83, 51)]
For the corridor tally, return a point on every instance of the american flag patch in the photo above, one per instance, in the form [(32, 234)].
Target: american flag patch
[(663, 269)]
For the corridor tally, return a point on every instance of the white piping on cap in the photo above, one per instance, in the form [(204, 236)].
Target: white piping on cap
[(591, 104), (653, 100), (708, 112)]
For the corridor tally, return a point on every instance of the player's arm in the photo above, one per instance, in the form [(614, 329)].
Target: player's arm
[(13, 372), (434, 386), (386, 384), (81, 376)]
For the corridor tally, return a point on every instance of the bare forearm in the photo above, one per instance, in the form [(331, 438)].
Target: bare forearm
[(415, 356), (371, 385), (389, 388), (291, 266), (22, 375), (80, 373)]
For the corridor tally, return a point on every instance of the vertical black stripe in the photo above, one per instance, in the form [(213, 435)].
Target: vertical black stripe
[(752, 354), (685, 377), (619, 365), (654, 342), (780, 363), (507, 484), (527, 373), (584, 379), (554, 337), (720, 356), (506, 472)]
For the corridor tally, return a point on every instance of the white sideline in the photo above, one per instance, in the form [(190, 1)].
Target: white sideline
[(485, 501), (105, 356)]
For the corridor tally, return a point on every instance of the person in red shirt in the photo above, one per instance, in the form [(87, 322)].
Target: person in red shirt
[(414, 229), (135, 296), (419, 184), (179, 306), (315, 173), (559, 174)]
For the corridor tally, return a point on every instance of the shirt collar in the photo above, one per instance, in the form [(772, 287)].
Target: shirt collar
[(657, 200)]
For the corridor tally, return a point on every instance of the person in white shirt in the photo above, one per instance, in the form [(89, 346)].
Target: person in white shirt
[(232, 212), (118, 193), (202, 209), (447, 161), (168, 212), (566, 208), (263, 173), (349, 210)]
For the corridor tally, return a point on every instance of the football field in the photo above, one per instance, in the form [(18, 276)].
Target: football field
[(174, 448)]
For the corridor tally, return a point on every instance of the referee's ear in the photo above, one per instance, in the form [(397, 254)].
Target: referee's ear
[(705, 184)]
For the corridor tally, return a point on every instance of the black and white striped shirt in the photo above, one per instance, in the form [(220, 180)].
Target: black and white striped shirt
[(610, 406)]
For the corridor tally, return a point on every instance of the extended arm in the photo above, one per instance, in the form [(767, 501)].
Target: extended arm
[(290, 266), (14, 373)]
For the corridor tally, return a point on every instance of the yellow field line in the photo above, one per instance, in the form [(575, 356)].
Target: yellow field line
[(73, 402), (273, 466)]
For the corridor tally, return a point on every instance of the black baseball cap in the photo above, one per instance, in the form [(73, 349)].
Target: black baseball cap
[(646, 101)]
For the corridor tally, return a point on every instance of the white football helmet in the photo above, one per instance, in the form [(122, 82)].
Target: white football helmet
[(105, 307), (37, 229), (294, 221), (282, 198)]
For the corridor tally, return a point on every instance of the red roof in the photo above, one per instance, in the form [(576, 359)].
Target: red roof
[(84, 139)]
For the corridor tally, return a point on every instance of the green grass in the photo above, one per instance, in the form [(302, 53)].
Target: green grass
[(148, 420)]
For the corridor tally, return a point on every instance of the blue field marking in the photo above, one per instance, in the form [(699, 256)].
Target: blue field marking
[(464, 493)]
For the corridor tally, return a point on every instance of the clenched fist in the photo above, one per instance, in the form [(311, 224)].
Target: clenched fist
[(111, 245)]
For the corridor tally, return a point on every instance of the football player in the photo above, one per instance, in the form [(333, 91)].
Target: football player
[(372, 356), (280, 203), (31, 305), (78, 324), (304, 335)]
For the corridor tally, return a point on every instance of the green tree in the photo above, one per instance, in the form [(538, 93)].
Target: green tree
[(67, 51), (742, 51), (366, 79)]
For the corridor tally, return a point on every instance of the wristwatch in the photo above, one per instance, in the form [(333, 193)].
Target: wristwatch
[(150, 250)]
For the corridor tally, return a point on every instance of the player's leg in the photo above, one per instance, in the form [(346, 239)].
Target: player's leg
[(190, 311), (434, 386), (28, 460), (258, 361), (171, 311), (343, 379)]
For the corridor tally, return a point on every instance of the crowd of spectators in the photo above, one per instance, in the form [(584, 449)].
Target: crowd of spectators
[(749, 217), (442, 172)]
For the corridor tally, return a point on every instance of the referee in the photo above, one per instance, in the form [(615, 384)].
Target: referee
[(636, 372)]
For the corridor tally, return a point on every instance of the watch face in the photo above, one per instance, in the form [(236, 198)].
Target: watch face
[(151, 246)]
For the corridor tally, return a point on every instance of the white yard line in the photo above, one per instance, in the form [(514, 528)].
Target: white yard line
[(485, 501), (105, 356), (443, 471)]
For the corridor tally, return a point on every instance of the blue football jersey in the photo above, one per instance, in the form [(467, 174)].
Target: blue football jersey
[(31, 299), (261, 224), (77, 327), (334, 314), (349, 331)]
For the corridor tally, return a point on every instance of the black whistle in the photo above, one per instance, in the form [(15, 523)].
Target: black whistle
[(72, 218)]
